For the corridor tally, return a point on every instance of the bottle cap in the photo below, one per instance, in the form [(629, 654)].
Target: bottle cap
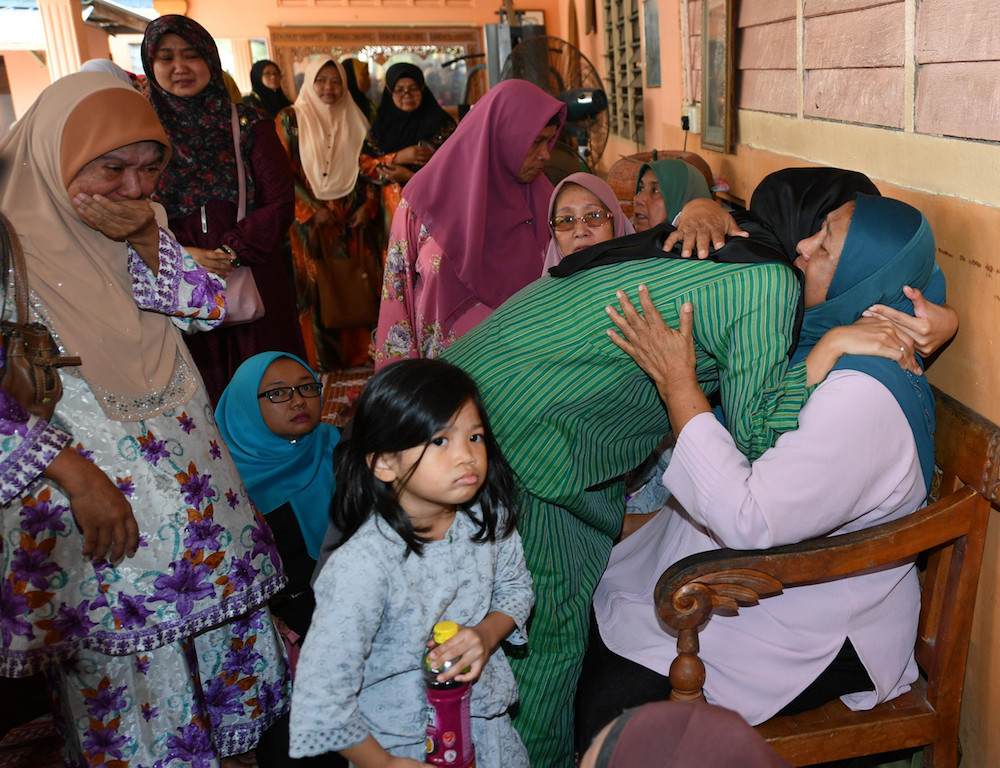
[(444, 631)]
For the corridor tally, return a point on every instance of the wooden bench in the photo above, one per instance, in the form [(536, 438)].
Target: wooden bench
[(947, 536)]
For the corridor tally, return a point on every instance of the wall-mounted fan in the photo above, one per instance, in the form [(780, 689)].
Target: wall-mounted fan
[(559, 68)]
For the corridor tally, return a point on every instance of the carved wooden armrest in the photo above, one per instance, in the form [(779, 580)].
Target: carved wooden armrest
[(723, 580)]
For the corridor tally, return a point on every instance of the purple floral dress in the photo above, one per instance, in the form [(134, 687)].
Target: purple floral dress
[(169, 658)]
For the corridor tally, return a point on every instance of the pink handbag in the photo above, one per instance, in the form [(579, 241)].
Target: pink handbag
[(243, 301)]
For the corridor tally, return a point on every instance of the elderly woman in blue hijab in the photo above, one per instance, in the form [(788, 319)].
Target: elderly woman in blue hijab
[(270, 417), (862, 455)]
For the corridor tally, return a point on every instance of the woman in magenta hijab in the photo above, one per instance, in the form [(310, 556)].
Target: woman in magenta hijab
[(472, 227), (583, 211)]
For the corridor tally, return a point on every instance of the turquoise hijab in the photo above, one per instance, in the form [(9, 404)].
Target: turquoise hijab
[(680, 183), (274, 470), (889, 245)]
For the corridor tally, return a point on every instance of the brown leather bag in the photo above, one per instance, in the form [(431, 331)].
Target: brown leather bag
[(30, 356)]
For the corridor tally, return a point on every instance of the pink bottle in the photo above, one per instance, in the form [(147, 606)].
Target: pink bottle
[(449, 726)]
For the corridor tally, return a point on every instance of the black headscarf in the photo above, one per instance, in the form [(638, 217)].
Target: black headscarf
[(359, 96), (786, 207), (395, 129), (793, 202), (203, 164), (271, 100)]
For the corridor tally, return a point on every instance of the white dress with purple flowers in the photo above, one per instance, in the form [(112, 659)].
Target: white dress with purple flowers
[(168, 658)]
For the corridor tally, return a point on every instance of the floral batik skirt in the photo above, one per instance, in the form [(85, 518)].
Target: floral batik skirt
[(168, 658)]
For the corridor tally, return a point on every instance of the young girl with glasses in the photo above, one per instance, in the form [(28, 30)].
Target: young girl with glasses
[(424, 501)]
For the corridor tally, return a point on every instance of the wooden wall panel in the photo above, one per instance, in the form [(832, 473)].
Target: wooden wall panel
[(957, 30), (753, 12), (869, 96), (825, 7), (771, 46), (873, 37), (854, 67), (770, 90), (959, 99)]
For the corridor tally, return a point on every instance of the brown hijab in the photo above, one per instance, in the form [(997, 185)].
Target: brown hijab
[(673, 734), (79, 275)]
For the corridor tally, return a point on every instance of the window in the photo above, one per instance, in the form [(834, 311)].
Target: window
[(623, 42)]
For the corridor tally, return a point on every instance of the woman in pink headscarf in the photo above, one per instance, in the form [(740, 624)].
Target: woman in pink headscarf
[(583, 211), (472, 227)]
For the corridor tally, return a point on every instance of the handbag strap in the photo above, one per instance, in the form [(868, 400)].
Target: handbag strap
[(11, 244), (241, 175)]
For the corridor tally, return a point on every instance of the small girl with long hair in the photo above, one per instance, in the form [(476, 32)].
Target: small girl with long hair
[(425, 502)]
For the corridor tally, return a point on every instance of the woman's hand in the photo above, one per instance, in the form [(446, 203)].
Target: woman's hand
[(873, 336), (664, 354), (667, 356), (702, 223), (102, 512), (126, 220), (931, 325), (359, 218), (398, 174), (217, 262), (119, 221), (415, 155)]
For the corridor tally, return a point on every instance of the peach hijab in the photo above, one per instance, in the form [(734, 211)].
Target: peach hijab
[(79, 276), (330, 135)]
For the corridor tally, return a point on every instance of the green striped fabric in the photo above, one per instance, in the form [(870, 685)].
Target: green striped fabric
[(571, 411)]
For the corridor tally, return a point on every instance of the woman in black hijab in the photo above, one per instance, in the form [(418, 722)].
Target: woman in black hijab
[(409, 126), (358, 82), (265, 78)]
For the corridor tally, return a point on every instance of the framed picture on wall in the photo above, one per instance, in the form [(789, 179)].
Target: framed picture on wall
[(532, 17), (717, 74)]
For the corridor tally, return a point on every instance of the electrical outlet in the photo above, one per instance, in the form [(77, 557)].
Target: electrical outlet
[(693, 114)]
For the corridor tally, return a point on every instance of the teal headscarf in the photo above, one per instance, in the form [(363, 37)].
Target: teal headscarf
[(680, 183), (274, 470), (889, 245)]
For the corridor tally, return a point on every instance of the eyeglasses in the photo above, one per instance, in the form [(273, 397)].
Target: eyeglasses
[(284, 394), (593, 220), (406, 91)]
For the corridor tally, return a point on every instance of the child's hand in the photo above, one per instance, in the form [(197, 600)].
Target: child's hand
[(370, 754), (467, 651)]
